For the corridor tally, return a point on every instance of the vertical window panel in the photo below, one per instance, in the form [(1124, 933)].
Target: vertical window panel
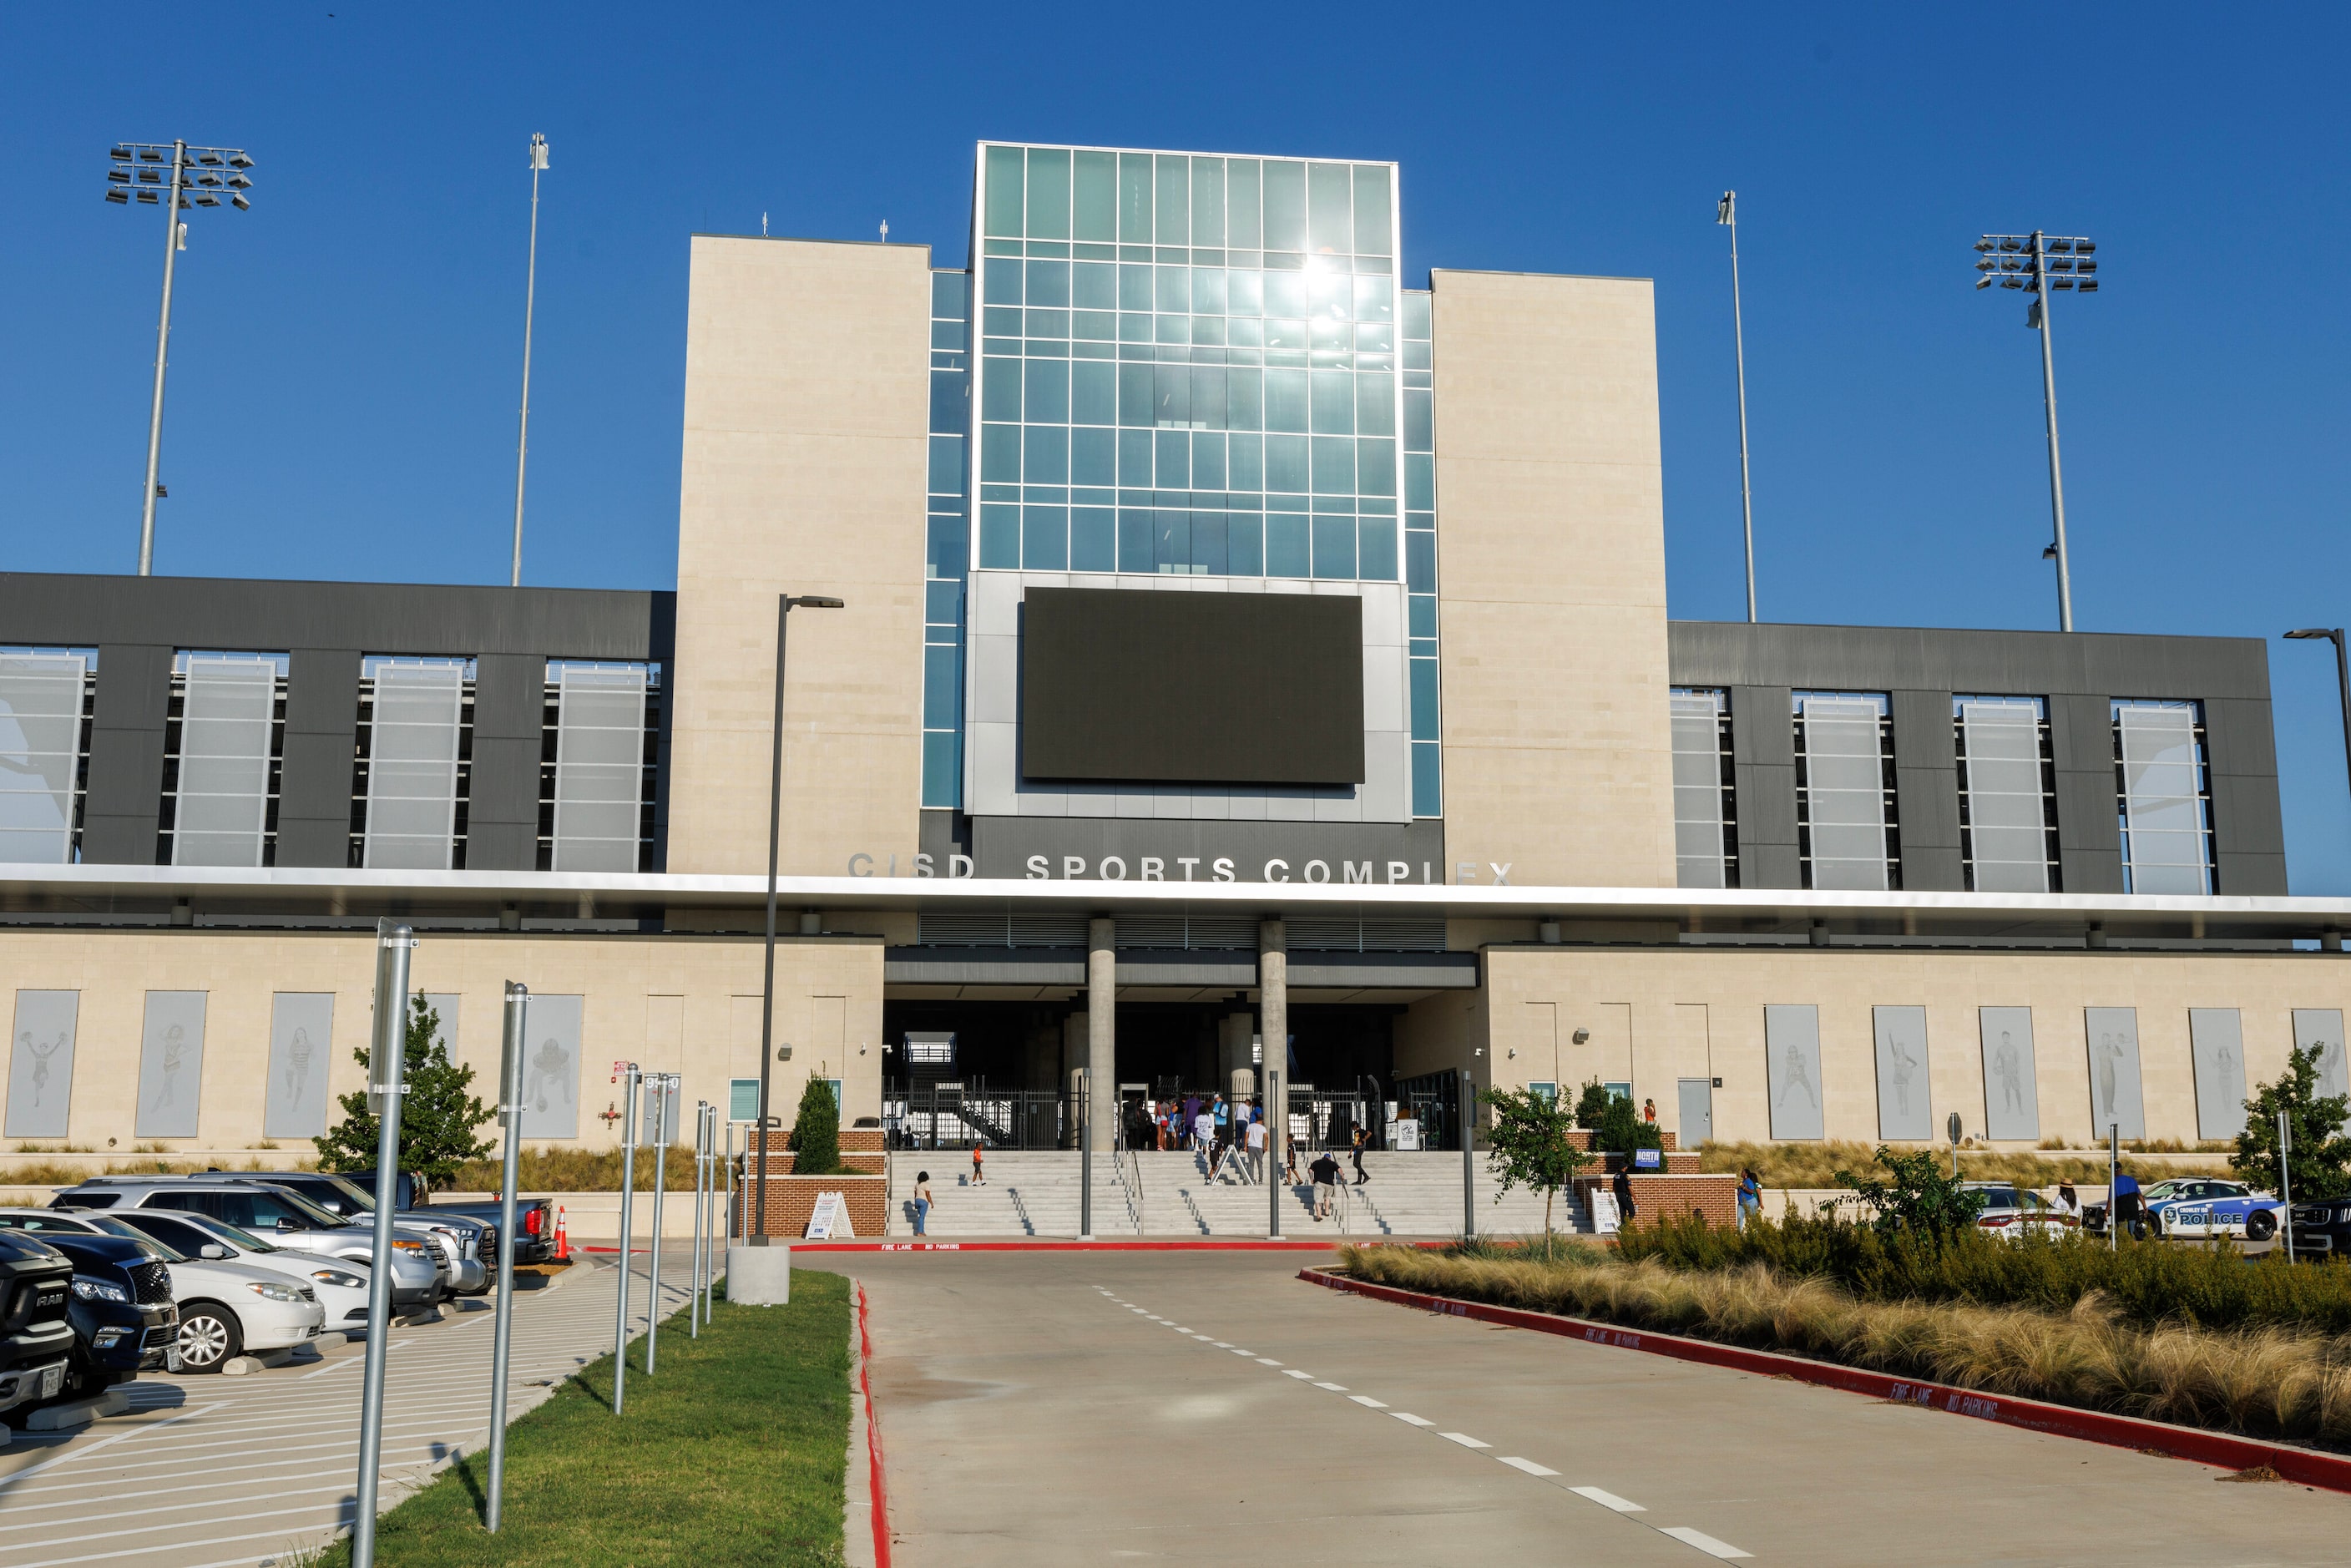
[(413, 732), (1842, 792), (1095, 197), (599, 767), (2165, 806), (41, 747), (1048, 193), (1004, 191), (1706, 844), (221, 806), (2006, 805)]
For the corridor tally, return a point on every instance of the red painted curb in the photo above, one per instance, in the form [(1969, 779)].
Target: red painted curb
[(2304, 1465), (872, 1439)]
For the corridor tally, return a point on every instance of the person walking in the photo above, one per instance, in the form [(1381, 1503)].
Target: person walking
[(1751, 1196), (2068, 1201), (978, 1178), (1204, 1132), (922, 1202), (1257, 1149), (1325, 1171), (1290, 1159), (1361, 1141), (1623, 1187)]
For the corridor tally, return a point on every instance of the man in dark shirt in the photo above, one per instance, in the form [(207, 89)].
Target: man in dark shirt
[(1325, 1172)]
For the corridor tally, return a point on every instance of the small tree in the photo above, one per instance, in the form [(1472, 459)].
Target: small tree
[(815, 1142), (1528, 1146), (1592, 1103), (1920, 1198), (2319, 1160), (438, 1115)]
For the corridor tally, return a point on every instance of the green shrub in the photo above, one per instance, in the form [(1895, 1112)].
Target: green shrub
[(816, 1132), (2148, 1282)]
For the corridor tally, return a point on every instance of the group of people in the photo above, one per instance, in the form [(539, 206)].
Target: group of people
[(1212, 1127)]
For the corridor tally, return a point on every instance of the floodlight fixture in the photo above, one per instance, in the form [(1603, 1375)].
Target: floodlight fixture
[(185, 190), (2042, 264)]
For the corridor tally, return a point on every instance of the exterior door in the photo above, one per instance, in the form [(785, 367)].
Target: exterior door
[(1698, 1112)]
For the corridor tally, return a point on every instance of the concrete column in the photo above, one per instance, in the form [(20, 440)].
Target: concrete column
[(1273, 1015), (1101, 1027)]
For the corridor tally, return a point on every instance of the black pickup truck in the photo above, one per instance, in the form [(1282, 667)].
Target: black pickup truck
[(533, 1238), (37, 1336)]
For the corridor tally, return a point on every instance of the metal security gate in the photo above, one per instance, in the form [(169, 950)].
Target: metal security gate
[(954, 1115)]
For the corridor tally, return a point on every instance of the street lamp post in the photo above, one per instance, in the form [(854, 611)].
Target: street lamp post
[(785, 604), (529, 302), (175, 177), (2342, 675), (2042, 264), (1726, 212)]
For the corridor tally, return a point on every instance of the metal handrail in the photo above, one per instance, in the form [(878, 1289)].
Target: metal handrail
[(1128, 1169)]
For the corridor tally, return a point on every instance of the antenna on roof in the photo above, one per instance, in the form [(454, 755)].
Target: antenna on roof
[(763, 225), (885, 231)]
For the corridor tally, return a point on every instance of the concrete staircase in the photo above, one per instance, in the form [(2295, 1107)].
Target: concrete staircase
[(1035, 1193)]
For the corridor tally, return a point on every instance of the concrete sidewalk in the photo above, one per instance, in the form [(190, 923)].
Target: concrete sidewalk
[(1055, 1408)]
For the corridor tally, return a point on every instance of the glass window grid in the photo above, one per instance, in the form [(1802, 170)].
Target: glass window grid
[(2165, 809), (948, 551), (88, 657), (2048, 859), (1200, 496), (1705, 821), (550, 720), (175, 713), (363, 745), (1417, 433), (1803, 785)]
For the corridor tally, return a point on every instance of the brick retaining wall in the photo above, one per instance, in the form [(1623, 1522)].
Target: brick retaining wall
[(1715, 1196)]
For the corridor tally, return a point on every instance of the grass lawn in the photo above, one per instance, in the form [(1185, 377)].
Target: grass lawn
[(733, 1454)]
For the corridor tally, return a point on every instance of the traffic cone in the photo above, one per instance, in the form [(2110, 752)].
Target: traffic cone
[(562, 1237)]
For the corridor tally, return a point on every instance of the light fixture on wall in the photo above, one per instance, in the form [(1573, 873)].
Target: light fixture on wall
[(1583, 1037), (1514, 1053), (783, 1053)]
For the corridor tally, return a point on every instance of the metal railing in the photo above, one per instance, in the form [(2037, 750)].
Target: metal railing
[(1127, 1167)]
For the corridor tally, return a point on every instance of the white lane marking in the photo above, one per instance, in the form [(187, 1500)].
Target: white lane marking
[(1302, 1376), (1704, 1543), (1465, 1439), (1266, 1361), (1366, 1400), (1222, 1344), (9, 1483), (1608, 1500), (1333, 1387), (1237, 1350), (1408, 1417), (1528, 1466)]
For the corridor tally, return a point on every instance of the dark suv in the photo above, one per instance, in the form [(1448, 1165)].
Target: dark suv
[(123, 1319), (37, 1336), (2323, 1230)]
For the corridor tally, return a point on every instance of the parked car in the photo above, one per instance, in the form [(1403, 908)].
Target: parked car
[(227, 1308), (2323, 1230), (2200, 1207), (472, 1242), (123, 1319), (341, 1287), (2013, 1213), (533, 1238), (421, 1272), (36, 1333)]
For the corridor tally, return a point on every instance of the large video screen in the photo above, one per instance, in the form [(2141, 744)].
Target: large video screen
[(1165, 685)]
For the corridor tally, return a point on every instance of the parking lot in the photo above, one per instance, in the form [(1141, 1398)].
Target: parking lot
[(210, 1471)]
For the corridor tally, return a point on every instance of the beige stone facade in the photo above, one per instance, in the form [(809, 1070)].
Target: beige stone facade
[(807, 400), (672, 1003), (1552, 578)]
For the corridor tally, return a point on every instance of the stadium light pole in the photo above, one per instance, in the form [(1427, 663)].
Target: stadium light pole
[(2341, 676), (529, 302), (2041, 265), (785, 604), (1726, 212), (175, 177)]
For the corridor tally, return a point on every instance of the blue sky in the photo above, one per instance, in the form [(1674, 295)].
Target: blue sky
[(344, 357)]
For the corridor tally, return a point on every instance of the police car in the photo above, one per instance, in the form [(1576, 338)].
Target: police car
[(2198, 1208)]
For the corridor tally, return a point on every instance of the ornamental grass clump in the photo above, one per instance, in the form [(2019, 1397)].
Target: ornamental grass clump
[(2271, 1382)]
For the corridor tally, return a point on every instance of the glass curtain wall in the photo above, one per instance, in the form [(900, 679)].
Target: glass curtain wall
[(1189, 364), (1844, 791), (1415, 319), (949, 554), (2007, 794), (2165, 804)]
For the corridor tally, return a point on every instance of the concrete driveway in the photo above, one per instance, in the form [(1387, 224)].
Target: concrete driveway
[(1066, 1407)]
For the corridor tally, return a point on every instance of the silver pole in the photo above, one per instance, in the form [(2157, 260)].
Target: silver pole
[(2114, 1175), (629, 1081), (529, 303), (728, 1201), (163, 354), (386, 1067), (502, 1332), (767, 981), (662, 1084), (2056, 474), (1729, 215), (694, 1292), (1469, 1159), (1277, 1147), (2285, 1180)]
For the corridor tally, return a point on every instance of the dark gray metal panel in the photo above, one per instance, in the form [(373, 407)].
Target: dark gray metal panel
[(1435, 971), (2082, 748), (314, 790), (376, 617), (121, 812), (1002, 845), (510, 727), (2251, 875), (2020, 663), (986, 966), (2240, 737), (1926, 791), (1763, 787), (1181, 967)]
